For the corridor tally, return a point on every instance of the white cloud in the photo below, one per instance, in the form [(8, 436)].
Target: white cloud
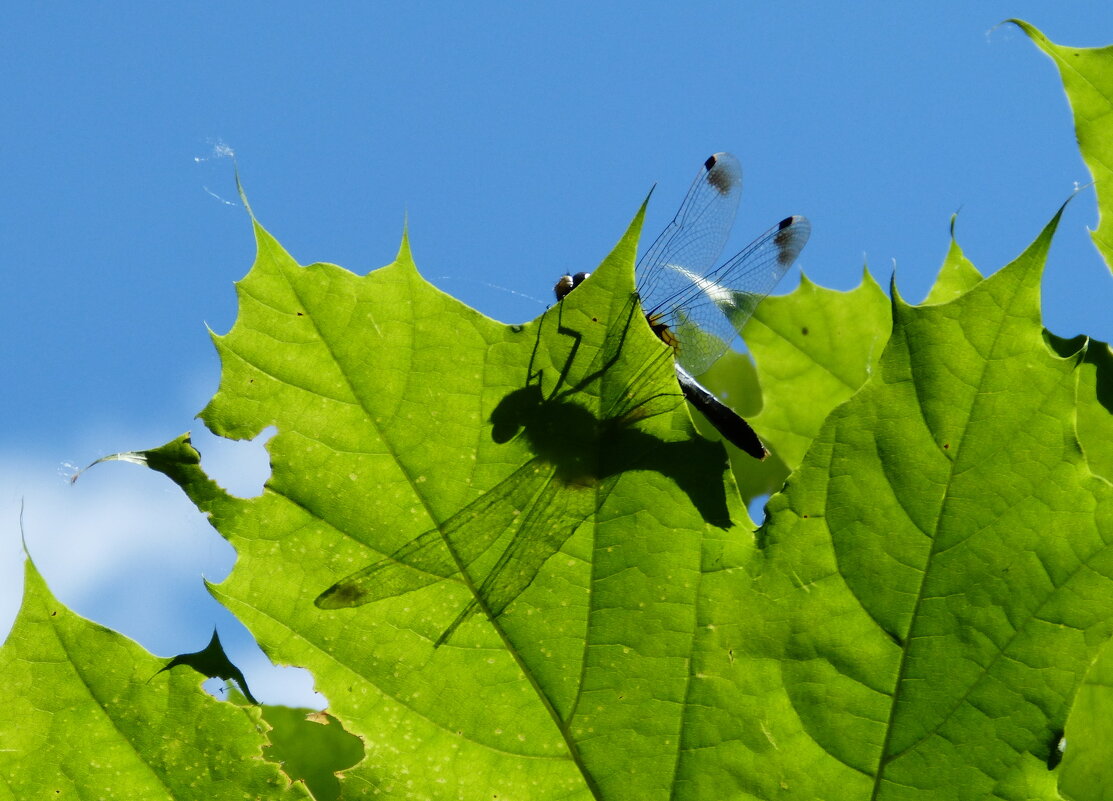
[(123, 546)]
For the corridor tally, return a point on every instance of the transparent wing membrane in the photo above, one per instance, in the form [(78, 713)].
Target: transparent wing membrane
[(698, 233), (717, 302), (698, 309)]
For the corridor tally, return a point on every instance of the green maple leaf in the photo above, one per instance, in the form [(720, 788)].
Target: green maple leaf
[(814, 348), (661, 651), (92, 715), (1087, 75), (575, 603), (942, 562), (387, 396)]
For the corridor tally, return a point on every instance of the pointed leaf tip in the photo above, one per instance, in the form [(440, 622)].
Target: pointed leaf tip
[(894, 293), (1029, 29), (635, 225), (957, 274), (240, 190), (404, 253), (212, 661)]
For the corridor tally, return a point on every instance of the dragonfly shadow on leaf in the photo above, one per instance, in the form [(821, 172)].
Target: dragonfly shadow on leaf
[(578, 453)]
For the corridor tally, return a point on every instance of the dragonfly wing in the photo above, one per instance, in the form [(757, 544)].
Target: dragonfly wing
[(391, 576), (429, 557), (697, 234), (709, 310), (556, 513)]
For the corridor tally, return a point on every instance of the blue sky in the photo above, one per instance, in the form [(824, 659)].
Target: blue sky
[(517, 139)]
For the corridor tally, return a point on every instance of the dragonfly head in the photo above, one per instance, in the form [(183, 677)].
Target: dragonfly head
[(567, 283)]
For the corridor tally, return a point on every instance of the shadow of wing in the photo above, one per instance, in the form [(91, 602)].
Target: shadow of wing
[(440, 553)]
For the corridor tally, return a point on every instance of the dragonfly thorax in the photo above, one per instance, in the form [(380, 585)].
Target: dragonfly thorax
[(662, 330)]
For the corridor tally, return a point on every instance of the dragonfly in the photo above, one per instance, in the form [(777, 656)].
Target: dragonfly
[(698, 308), (538, 506)]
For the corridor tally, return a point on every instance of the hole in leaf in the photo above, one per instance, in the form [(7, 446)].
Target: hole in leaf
[(756, 508), (240, 467), (312, 747)]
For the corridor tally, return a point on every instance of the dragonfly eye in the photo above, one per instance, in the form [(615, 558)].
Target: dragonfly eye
[(567, 283), (563, 287)]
